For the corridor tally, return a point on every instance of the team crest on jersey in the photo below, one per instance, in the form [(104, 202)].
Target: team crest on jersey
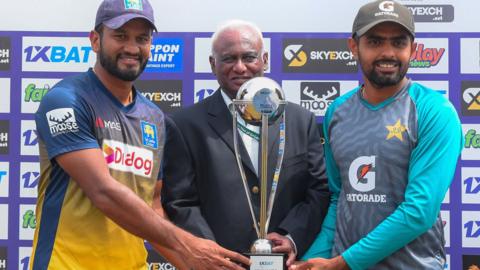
[(396, 131), (149, 135)]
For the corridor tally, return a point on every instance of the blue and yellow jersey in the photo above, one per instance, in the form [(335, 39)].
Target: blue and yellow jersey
[(80, 113), (389, 166)]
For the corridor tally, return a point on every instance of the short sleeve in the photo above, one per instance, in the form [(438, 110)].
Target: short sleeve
[(63, 123)]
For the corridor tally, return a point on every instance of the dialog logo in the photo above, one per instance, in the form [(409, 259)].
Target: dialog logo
[(62, 121), (128, 158)]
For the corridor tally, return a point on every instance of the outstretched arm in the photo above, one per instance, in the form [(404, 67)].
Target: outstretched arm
[(89, 169)]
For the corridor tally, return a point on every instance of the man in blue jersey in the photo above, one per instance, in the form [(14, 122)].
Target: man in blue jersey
[(391, 151), (101, 150)]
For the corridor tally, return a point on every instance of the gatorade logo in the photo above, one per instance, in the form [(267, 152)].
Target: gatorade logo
[(386, 6), (295, 55), (362, 173)]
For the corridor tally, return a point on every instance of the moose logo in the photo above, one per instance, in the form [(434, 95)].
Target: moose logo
[(62, 121)]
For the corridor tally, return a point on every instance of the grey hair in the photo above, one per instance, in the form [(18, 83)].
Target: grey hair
[(233, 25)]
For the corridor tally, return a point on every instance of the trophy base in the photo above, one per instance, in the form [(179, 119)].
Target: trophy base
[(271, 261)]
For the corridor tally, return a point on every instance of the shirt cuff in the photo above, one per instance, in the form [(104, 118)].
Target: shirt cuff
[(293, 244)]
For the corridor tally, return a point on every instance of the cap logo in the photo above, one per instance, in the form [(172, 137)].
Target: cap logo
[(133, 4), (386, 6)]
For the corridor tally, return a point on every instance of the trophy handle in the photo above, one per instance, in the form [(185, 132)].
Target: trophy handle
[(242, 171), (278, 167)]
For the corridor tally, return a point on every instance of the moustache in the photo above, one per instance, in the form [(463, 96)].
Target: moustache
[(388, 62)]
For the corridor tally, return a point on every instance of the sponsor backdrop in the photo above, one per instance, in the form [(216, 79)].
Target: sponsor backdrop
[(308, 57)]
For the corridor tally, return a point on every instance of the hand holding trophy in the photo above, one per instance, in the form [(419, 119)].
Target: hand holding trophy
[(260, 101)]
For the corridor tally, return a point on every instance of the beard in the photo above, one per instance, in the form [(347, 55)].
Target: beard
[(110, 64), (380, 80)]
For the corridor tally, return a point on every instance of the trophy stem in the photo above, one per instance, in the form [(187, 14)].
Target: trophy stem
[(263, 178)]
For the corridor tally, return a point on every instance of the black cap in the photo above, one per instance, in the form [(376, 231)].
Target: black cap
[(380, 11)]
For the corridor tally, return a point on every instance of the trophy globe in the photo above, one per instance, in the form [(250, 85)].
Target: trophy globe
[(260, 95)]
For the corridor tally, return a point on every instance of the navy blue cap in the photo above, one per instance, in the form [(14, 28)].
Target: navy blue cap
[(115, 13)]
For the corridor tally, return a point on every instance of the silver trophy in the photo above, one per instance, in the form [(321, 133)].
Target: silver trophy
[(260, 101)]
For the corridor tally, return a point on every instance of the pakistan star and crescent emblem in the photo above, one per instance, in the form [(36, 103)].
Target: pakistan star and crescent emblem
[(396, 131)]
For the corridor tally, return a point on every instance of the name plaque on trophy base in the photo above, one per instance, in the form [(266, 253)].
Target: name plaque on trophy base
[(273, 261)]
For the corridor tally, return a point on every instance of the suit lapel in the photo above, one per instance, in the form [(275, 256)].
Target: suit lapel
[(220, 120)]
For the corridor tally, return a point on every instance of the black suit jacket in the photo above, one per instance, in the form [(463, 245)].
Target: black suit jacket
[(203, 191)]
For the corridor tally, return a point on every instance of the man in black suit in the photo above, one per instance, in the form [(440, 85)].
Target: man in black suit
[(203, 191)]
